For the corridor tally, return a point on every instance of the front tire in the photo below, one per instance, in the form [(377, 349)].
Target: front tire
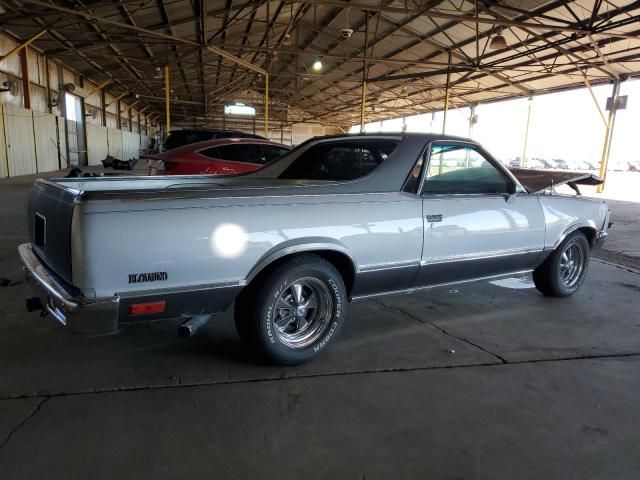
[(295, 311), (564, 271)]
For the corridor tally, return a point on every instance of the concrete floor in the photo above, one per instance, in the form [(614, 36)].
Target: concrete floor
[(480, 381)]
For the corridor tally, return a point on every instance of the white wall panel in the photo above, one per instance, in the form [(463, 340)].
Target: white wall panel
[(130, 145), (21, 151), (115, 143), (97, 143), (46, 138)]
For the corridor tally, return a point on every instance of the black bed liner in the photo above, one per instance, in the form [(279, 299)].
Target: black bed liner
[(536, 181)]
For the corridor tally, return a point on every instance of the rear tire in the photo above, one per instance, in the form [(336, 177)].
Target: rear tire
[(294, 312), (564, 271)]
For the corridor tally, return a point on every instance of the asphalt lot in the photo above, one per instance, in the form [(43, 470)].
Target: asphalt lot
[(478, 381)]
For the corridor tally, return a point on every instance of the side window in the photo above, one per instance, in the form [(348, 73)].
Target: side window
[(210, 152), (461, 169), (271, 152), (340, 160), (241, 152)]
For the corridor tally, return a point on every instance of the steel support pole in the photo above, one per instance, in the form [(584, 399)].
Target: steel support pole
[(526, 133), (167, 98), (608, 135), (447, 93), (103, 107), (26, 88), (363, 100), (472, 114), (363, 103), (266, 105), (47, 84)]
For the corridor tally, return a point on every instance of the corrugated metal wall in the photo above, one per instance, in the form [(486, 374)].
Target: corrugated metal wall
[(33, 142), (97, 146), (46, 138), (33, 136)]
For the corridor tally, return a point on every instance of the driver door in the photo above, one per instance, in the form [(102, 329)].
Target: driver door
[(473, 226)]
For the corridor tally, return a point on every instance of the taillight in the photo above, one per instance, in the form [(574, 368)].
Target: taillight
[(147, 308)]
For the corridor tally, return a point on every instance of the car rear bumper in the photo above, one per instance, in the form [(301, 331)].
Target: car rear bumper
[(89, 316), (601, 235), (600, 238)]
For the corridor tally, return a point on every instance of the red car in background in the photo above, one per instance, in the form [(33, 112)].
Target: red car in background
[(224, 156)]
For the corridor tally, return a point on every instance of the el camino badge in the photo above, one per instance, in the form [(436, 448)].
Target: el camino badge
[(148, 277)]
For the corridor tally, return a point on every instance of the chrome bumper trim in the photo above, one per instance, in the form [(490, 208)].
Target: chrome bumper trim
[(600, 238), (80, 314)]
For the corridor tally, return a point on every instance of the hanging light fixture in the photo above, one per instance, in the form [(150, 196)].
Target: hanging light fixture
[(317, 65), (498, 41)]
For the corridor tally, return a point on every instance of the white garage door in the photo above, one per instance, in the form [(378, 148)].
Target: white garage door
[(21, 150), (46, 141), (97, 146)]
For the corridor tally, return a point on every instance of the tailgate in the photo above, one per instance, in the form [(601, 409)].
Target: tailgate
[(536, 181), (49, 217)]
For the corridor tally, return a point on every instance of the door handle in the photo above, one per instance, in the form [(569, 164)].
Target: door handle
[(434, 218)]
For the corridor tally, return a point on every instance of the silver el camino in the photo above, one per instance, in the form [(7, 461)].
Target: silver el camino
[(337, 219)]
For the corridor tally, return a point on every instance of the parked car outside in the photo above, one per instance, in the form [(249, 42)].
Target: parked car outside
[(539, 163), (586, 165), (337, 219), (226, 156), (515, 163), (560, 163)]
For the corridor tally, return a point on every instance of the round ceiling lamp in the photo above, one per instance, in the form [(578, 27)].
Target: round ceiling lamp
[(498, 41)]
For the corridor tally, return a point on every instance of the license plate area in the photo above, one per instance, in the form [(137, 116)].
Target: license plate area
[(40, 230)]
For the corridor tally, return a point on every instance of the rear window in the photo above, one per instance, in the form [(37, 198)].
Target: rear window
[(340, 160), (181, 138), (241, 152)]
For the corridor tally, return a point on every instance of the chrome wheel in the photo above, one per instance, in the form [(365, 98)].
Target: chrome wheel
[(302, 312), (572, 263)]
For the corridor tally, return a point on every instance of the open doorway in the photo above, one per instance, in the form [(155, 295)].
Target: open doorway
[(76, 144)]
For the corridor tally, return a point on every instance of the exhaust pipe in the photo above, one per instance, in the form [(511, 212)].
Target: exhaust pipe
[(191, 326)]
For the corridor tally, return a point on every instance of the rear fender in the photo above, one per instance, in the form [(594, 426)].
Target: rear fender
[(586, 224), (300, 245)]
